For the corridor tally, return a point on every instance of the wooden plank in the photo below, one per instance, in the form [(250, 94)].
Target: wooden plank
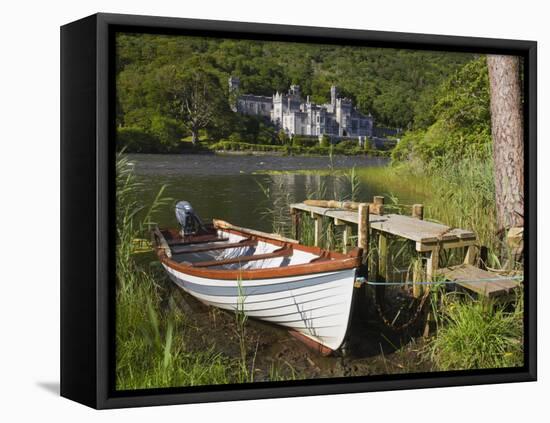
[(226, 246), (194, 239), (282, 252), (406, 227), (403, 226), (463, 273), (423, 247), (377, 208)]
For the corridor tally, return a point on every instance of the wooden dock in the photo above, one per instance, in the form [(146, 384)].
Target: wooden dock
[(429, 238), (479, 281)]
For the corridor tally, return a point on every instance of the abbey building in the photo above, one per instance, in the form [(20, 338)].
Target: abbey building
[(296, 116)]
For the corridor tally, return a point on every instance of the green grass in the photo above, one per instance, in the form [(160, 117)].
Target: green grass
[(151, 340), (477, 334)]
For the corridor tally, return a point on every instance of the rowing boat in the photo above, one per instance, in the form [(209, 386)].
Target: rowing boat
[(266, 276)]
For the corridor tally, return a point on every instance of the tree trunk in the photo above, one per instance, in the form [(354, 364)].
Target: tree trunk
[(194, 137), (507, 132)]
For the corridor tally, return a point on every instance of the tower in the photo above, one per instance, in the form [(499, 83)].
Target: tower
[(333, 96), (234, 83)]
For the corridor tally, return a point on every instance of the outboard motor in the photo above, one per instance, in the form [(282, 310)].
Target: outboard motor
[(189, 221)]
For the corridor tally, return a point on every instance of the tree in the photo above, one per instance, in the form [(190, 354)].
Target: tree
[(194, 98), (507, 133)]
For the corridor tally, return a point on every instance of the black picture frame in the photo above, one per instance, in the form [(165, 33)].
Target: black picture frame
[(87, 209)]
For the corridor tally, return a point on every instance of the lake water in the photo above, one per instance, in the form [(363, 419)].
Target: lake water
[(232, 188)]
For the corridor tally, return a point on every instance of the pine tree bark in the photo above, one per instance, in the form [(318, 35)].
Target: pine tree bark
[(507, 133)]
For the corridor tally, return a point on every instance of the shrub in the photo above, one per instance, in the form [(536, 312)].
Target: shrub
[(282, 137), (325, 141), (135, 140), (168, 132), (305, 141)]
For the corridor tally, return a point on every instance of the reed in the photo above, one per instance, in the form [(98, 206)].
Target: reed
[(151, 337), (245, 371), (477, 334)]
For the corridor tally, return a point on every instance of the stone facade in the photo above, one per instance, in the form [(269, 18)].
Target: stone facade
[(296, 116)]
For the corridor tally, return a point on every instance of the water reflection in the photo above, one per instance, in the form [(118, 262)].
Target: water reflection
[(225, 187)]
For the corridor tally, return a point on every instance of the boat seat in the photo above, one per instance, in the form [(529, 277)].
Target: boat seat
[(281, 252)]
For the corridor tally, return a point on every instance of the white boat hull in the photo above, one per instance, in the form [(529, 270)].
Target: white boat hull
[(316, 305)]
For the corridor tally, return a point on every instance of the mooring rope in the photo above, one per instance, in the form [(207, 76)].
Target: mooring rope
[(362, 280)]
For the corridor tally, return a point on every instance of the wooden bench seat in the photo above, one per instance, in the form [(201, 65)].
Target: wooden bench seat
[(281, 252)]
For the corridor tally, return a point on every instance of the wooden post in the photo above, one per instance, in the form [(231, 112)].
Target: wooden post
[(431, 272), (417, 277), (418, 211), (363, 230), (318, 222), (347, 237), (378, 200), (382, 267), (472, 253), (383, 256), (295, 223), (432, 265)]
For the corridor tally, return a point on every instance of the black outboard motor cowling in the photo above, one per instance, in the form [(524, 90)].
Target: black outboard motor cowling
[(190, 222)]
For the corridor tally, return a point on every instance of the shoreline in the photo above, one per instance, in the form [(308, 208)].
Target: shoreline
[(254, 153)]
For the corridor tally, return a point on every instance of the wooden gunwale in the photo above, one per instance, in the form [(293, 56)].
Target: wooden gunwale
[(337, 261)]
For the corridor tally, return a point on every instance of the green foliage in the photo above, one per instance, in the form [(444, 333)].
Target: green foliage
[(477, 334), (325, 141), (167, 131), (135, 139), (459, 121), (305, 141), (393, 85)]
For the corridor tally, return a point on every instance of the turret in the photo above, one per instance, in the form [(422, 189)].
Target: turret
[(333, 96), (234, 83)]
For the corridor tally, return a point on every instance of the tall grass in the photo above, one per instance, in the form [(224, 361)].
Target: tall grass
[(477, 334), (151, 338)]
